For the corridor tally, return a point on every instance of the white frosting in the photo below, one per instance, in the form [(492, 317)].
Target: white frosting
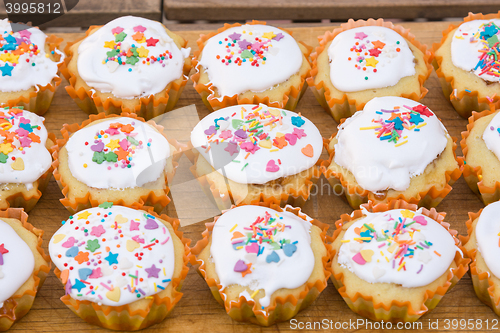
[(469, 44), (23, 155), (150, 151), (491, 135), (379, 164), (16, 265), (130, 81), (283, 59), (487, 236), (119, 247), (32, 67), (262, 162), (368, 65), (379, 259), (284, 272)]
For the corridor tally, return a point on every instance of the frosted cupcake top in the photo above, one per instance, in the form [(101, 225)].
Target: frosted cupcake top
[(260, 248), (369, 57), (23, 155), (475, 46), (23, 60), (392, 140), (118, 152), (398, 246), (130, 57), (487, 236), (113, 255), (491, 135), (255, 144), (16, 262), (250, 58)]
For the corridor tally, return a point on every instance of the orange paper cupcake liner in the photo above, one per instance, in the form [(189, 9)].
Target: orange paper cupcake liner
[(73, 205), (397, 311), (282, 308), (356, 195), (18, 305), (224, 198), (473, 176), (484, 287), (346, 107), (290, 97), (463, 101), (123, 317), (148, 108), (39, 101)]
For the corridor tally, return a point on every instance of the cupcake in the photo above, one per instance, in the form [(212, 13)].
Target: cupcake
[(395, 148), (131, 64), (392, 262), (122, 268), (254, 153), (263, 263), (29, 65), (466, 63), (25, 161), (119, 159), (366, 59), (251, 63), (481, 245), (480, 163), (23, 265)]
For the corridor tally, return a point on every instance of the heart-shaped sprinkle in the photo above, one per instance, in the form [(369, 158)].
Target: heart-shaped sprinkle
[(358, 258), (151, 224), (69, 243), (57, 238), (378, 272), (265, 144), (289, 249), (114, 295), (120, 219), (96, 273), (98, 147), (211, 130), (84, 273), (252, 248), (308, 150), (18, 164), (64, 275), (273, 257), (274, 112), (271, 166), (241, 134), (237, 234), (72, 252), (132, 245), (240, 266), (420, 220), (125, 263), (291, 138), (236, 123), (357, 230), (223, 124), (367, 255)]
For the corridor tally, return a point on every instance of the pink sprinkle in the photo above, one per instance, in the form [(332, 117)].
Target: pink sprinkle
[(166, 240), (105, 286), (99, 296), (383, 244), (358, 258)]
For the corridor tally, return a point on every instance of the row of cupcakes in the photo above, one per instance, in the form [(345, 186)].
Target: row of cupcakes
[(137, 65), (123, 268)]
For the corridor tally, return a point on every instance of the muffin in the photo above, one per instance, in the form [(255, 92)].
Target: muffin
[(25, 161), (23, 265), (119, 159), (395, 148), (246, 253), (366, 59), (121, 268), (481, 244), (392, 262), (250, 64), (465, 63), (130, 64), (254, 153), (29, 65), (480, 163)]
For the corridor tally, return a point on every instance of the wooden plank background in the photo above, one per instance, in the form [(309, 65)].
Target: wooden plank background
[(198, 311), (336, 10)]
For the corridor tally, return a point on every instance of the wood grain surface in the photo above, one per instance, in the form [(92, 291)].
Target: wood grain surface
[(198, 311), (336, 10)]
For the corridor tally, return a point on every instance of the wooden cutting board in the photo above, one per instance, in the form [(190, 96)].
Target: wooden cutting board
[(198, 311)]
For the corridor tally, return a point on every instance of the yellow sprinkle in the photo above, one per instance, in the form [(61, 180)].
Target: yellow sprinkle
[(254, 293), (273, 150), (239, 247), (412, 127), (480, 177), (401, 266), (386, 259), (155, 287), (138, 266), (96, 287), (85, 165), (400, 144), (164, 273), (363, 238), (234, 227), (421, 125), (47, 55), (345, 240), (148, 297), (370, 127), (381, 253), (258, 109)]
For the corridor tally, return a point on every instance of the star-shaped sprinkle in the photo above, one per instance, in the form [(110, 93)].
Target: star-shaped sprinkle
[(84, 215), (416, 119), (3, 250), (268, 35), (378, 44), (112, 258), (78, 285), (139, 28), (113, 144), (97, 231), (151, 41), (360, 35), (152, 271), (423, 110), (374, 52), (134, 225), (93, 245), (6, 70), (143, 52), (121, 154), (234, 36), (371, 62), (232, 148), (244, 44), (116, 30)]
